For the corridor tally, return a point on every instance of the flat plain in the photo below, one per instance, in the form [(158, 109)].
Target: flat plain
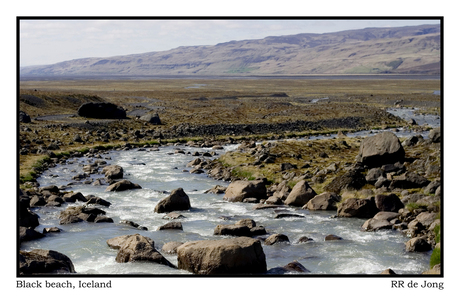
[(53, 105)]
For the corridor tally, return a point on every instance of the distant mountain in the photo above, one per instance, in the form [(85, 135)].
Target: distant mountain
[(412, 49)]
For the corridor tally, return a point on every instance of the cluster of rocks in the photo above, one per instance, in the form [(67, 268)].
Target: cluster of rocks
[(189, 130), (52, 196), (380, 162)]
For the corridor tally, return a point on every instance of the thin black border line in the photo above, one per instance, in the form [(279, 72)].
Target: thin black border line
[(77, 275), (442, 88)]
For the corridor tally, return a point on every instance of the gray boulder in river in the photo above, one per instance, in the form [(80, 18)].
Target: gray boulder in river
[(122, 186), (44, 262), (242, 255), (237, 191), (113, 172), (358, 208), (300, 194), (323, 201), (137, 248), (177, 200)]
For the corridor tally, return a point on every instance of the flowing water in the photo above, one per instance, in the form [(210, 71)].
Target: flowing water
[(159, 172)]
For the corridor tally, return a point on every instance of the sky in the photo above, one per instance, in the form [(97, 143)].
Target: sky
[(49, 41)]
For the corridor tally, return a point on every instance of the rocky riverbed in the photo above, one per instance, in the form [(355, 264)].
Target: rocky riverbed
[(396, 188), (291, 181)]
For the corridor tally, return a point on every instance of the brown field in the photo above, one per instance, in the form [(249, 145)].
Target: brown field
[(205, 102)]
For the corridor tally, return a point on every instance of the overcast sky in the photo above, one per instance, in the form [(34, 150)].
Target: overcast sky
[(46, 41)]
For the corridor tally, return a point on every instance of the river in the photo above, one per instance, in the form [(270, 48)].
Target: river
[(160, 171)]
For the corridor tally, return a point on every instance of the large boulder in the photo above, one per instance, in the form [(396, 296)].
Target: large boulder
[(242, 255), (101, 110), (292, 267), (173, 225), (26, 218), (359, 208), (418, 244), (216, 190), (27, 234), (23, 117), (113, 172), (122, 186), (383, 148), (237, 191), (37, 200), (72, 197), (276, 238), (98, 200), (409, 180), (435, 135), (323, 201), (281, 191), (421, 224), (388, 202), (232, 230), (51, 189), (382, 220), (177, 200), (373, 175), (44, 262), (351, 180), (151, 118), (426, 218), (137, 248), (300, 194), (242, 228)]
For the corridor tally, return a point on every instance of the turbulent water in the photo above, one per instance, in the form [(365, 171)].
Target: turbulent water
[(159, 172)]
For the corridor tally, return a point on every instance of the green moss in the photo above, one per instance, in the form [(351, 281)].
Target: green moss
[(413, 206), (243, 174), (104, 147), (437, 232), (435, 257), (28, 177), (83, 150)]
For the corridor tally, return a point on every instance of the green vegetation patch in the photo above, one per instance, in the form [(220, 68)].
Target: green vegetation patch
[(395, 64), (435, 257), (242, 70)]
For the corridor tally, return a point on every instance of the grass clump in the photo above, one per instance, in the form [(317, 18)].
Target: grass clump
[(436, 255), (435, 258), (414, 206), (243, 174)]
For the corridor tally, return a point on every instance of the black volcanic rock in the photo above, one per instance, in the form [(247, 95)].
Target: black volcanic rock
[(101, 110)]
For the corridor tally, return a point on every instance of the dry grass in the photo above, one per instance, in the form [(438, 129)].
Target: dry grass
[(210, 101), (234, 101), (300, 154)]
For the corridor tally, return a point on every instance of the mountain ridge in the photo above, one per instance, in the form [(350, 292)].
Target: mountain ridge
[(402, 50)]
